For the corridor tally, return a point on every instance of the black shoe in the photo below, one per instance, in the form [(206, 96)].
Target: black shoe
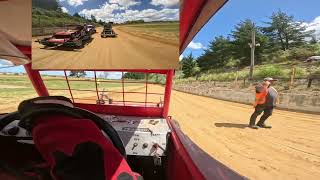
[(253, 127), (264, 126)]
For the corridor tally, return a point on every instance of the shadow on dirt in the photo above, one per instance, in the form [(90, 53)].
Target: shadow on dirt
[(231, 125), (62, 48)]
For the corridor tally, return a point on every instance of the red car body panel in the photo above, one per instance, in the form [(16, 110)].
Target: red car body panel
[(58, 41)]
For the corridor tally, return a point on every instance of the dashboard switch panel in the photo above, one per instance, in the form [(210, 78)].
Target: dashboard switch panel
[(141, 136)]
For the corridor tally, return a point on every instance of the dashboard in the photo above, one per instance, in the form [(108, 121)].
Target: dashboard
[(141, 136)]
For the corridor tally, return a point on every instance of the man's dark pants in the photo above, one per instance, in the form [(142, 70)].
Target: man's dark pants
[(267, 111)]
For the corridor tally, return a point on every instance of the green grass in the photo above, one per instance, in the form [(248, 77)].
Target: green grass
[(166, 32), (16, 88), (15, 80), (48, 18), (276, 70), (269, 71), (162, 27)]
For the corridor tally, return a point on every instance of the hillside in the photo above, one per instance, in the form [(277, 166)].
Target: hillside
[(55, 18)]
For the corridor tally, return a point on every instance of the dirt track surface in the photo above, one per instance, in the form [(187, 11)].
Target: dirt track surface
[(127, 51), (290, 150)]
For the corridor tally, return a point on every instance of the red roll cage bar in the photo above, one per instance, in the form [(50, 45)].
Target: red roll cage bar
[(194, 14)]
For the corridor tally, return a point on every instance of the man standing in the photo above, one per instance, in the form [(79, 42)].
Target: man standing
[(266, 102)]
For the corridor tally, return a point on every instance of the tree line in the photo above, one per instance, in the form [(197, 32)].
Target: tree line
[(47, 4), (93, 19), (281, 34), (54, 5)]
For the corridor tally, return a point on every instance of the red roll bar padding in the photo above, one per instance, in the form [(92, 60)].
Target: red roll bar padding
[(167, 93), (26, 50), (194, 14), (189, 12)]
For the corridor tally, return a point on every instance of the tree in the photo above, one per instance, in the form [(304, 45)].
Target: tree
[(285, 32), (313, 40), (217, 54), (76, 15), (101, 22), (189, 66), (47, 4), (77, 74), (93, 19), (135, 22), (133, 75), (242, 37)]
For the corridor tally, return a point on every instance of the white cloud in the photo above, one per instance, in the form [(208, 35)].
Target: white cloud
[(314, 25), (166, 3), (125, 3), (181, 57), (5, 63), (194, 45), (74, 2), (65, 10), (115, 75), (107, 13)]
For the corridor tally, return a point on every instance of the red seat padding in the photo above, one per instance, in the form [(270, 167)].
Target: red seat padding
[(77, 149)]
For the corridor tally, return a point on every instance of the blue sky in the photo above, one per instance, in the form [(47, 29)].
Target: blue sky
[(257, 10)]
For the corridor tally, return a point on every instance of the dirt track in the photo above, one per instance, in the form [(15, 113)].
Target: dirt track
[(127, 51), (290, 150)]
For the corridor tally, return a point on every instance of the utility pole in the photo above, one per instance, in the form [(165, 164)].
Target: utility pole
[(253, 47)]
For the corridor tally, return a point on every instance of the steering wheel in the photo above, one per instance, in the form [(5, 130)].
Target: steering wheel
[(76, 113)]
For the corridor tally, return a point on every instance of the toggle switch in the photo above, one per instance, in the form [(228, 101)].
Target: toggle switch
[(145, 145), (134, 145)]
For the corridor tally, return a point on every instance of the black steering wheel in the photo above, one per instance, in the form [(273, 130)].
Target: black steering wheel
[(76, 113)]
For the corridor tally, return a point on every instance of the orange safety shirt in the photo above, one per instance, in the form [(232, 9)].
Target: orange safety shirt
[(261, 97)]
